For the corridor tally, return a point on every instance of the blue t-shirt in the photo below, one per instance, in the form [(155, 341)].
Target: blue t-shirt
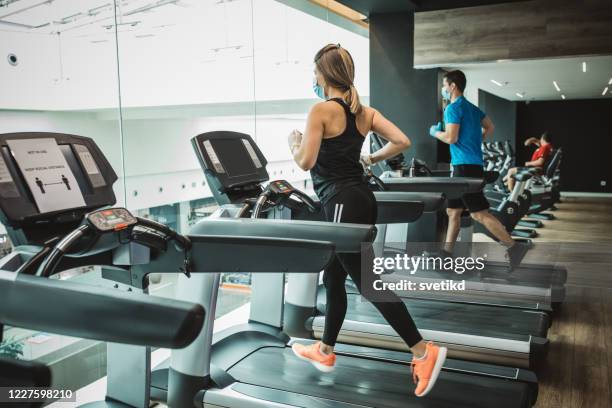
[(468, 149)]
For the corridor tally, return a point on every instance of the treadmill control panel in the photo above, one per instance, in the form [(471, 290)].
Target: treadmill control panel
[(111, 219), (281, 187), (51, 177)]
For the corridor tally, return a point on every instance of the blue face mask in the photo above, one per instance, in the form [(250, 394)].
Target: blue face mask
[(445, 94), (318, 89)]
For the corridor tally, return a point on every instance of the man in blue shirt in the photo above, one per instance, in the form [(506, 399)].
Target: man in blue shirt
[(466, 126)]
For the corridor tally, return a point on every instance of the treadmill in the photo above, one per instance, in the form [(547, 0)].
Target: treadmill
[(35, 223), (537, 284), (54, 231), (494, 334), (32, 301), (252, 365)]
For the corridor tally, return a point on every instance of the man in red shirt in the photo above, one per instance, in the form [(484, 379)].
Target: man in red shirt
[(538, 159)]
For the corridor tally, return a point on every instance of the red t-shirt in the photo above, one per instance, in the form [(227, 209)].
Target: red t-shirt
[(542, 151)]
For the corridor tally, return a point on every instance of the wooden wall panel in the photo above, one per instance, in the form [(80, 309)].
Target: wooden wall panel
[(523, 30)]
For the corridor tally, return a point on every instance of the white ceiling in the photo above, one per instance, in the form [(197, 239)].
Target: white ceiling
[(90, 16), (534, 78), (144, 18)]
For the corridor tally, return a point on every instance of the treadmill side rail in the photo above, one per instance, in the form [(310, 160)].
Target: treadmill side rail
[(346, 237)]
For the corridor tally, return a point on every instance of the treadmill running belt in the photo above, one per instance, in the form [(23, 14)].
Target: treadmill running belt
[(487, 321), (370, 383)]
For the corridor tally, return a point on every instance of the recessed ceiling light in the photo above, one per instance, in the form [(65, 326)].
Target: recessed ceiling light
[(610, 81), (605, 91), (562, 96), (583, 66), (556, 86), (520, 95), (497, 82)]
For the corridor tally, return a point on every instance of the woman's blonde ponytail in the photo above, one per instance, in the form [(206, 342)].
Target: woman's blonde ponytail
[(337, 67), (351, 97)]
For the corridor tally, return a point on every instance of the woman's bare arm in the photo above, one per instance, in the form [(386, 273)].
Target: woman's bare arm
[(398, 141), (306, 150)]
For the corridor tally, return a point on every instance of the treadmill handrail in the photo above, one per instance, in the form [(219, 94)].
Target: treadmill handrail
[(345, 236), (432, 202), (397, 207), (210, 254), (24, 373), (452, 187), (92, 312)]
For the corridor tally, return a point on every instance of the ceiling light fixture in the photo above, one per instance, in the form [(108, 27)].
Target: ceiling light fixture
[(497, 83), (520, 95), (583, 66), (605, 91), (562, 96), (610, 81), (556, 86)]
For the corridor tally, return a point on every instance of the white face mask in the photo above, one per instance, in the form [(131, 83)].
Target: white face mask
[(445, 94)]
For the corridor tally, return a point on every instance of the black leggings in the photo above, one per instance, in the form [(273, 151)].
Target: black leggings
[(358, 205)]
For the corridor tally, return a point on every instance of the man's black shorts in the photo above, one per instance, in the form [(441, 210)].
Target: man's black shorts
[(474, 202)]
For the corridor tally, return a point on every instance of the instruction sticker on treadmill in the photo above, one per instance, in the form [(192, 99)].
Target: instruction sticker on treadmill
[(47, 173)]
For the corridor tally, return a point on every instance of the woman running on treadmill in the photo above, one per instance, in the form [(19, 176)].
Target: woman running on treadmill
[(331, 149)]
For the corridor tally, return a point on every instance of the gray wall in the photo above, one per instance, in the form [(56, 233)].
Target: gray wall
[(503, 114), (406, 96)]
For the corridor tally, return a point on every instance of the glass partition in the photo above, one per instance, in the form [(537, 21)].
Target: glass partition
[(142, 77), (185, 68), (58, 73), (196, 66)]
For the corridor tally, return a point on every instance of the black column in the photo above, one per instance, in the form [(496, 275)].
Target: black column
[(406, 96)]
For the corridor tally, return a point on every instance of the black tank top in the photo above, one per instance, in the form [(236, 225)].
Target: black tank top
[(337, 166)]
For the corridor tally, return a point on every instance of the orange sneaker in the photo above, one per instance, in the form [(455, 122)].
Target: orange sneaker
[(425, 372), (312, 354)]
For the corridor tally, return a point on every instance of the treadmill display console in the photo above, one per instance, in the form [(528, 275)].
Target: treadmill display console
[(241, 163), (51, 177), (231, 160), (111, 219)]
